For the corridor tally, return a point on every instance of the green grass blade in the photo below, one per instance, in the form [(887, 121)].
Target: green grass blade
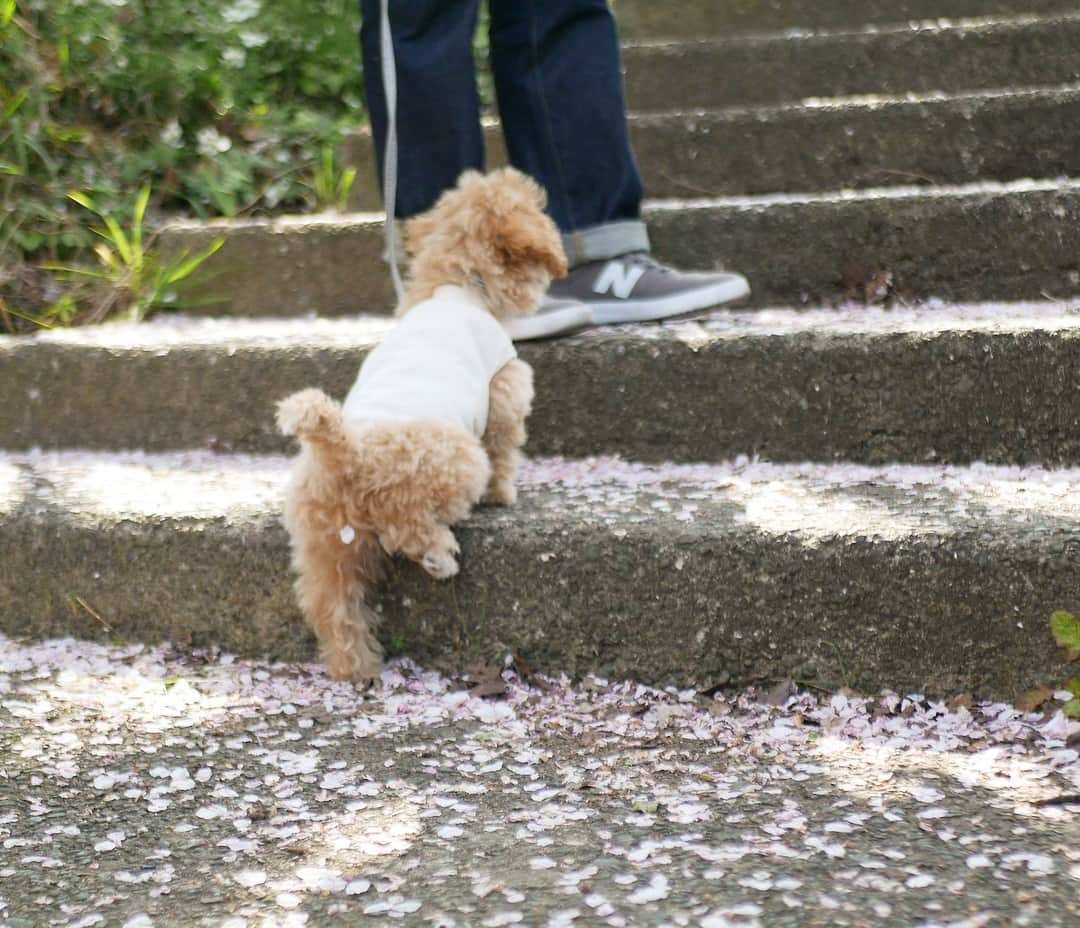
[(76, 271), (119, 240), (82, 199), (13, 106), (348, 178), (189, 265), (137, 218)]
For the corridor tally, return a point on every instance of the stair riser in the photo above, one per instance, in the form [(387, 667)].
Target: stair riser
[(992, 245), (666, 602), (952, 397), (778, 69), (646, 19), (832, 148), (983, 246)]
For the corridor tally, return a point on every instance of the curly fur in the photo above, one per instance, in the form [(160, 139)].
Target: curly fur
[(358, 494), (487, 234)]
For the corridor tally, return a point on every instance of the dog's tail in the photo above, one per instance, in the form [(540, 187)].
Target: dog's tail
[(318, 422), (312, 416)]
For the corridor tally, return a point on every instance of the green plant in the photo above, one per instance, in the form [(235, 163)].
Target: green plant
[(139, 280), (223, 109), (61, 313), (1072, 707), (396, 646), (332, 183), (1066, 629)]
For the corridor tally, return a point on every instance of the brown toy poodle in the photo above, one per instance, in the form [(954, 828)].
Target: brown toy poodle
[(435, 420)]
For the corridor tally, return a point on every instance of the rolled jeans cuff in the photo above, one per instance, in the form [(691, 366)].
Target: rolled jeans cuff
[(609, 240)]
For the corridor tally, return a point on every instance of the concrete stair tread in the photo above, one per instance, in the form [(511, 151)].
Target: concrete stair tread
[(227, 335), (863, 141), (677, 114), (951, 55), (810, 501), (980, 188), (969, 242), (938, 382), (853, 103), (285, 224), (165, 332), (639, 18), (758, 570), (1004, 22)]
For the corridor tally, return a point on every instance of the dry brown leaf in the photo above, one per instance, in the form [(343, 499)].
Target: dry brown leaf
[(1034, 700)]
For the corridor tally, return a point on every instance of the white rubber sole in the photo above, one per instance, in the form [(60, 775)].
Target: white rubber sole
[(565, 319), (573, 316), (731, 289)]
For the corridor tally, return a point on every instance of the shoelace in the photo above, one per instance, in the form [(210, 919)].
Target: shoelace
[(645, 259)]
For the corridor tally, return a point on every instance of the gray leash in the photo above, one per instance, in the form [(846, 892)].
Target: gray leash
[(390, 154)]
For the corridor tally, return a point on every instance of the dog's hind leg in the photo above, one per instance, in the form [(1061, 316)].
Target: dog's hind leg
[(509, 403), (334, 575), (337, 560)]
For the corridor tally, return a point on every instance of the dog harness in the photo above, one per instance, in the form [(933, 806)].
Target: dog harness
[(435, 364)]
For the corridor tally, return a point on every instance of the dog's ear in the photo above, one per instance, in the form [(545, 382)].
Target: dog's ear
[(519, 228), (528, 236)]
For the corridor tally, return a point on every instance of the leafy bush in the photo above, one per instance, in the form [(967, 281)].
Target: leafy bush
[(222, 109)]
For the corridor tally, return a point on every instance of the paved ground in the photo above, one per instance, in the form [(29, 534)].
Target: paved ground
[(143, 787)]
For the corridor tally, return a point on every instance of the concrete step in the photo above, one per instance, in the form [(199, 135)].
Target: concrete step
[(910, 578), (936, 55), (967, 243), (834, 144), (646, 19), (940, 383)]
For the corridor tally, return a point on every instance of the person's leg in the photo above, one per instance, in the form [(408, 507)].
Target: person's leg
[(438, 111), (561, 102), (563, 111)]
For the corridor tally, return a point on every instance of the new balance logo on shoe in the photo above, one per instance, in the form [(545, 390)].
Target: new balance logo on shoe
[(618, 279)]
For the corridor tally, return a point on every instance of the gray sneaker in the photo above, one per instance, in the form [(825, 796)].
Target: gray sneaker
[(554, 317), (637, 288)]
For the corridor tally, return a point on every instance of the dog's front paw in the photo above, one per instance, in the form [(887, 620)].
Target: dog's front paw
[(442, 565)]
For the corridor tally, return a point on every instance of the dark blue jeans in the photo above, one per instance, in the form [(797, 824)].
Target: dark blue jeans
[(561, 103)]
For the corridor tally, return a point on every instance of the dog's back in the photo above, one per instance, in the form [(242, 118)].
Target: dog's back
[(435, 365)]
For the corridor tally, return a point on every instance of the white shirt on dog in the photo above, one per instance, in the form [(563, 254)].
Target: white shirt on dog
[(436, 363)]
